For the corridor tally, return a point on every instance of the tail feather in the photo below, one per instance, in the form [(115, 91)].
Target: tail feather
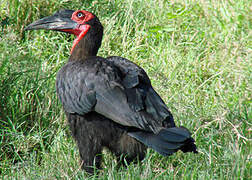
[(167, 141), (176, 135)]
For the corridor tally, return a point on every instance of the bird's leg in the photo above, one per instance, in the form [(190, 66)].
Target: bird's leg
[(88, 141), (90, 156), (127, 149)]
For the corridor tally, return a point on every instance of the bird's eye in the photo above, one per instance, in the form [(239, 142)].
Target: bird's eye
[(80, 15)]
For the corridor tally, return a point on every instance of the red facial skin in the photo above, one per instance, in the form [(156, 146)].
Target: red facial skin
[(81, 17), (87, 16)]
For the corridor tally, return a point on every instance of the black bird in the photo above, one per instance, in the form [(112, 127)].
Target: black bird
[(109, 102)]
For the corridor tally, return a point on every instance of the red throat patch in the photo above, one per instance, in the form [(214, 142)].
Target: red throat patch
[(84, 29)]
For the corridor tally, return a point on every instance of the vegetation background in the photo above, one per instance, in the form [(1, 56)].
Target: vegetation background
[(197, 54)]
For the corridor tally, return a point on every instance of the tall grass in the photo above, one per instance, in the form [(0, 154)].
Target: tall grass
[(197, 54)]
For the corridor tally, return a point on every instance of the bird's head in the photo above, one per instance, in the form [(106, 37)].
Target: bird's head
[(81, 23)]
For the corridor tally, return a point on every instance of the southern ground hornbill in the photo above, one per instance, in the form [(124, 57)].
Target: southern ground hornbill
[(109, 102)]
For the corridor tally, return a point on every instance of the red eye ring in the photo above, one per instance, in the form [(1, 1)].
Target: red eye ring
[(82, 16)]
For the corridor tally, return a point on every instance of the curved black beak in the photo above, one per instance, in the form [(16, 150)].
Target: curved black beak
[(61, 20)]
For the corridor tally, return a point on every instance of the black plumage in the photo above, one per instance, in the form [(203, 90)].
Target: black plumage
[(109, 102)]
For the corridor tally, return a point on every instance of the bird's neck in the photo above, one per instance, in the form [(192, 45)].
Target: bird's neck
[(82, 51), (87, 46)]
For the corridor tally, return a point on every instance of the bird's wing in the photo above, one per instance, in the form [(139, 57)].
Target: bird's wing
[(138, 86), (123, 95)]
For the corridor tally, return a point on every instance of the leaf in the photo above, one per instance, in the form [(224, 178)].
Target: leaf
[(160, 29)]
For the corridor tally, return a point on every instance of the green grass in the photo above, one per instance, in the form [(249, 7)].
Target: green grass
[(197, 54)]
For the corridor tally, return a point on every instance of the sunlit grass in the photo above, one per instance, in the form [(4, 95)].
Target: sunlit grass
[(197, 54)]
